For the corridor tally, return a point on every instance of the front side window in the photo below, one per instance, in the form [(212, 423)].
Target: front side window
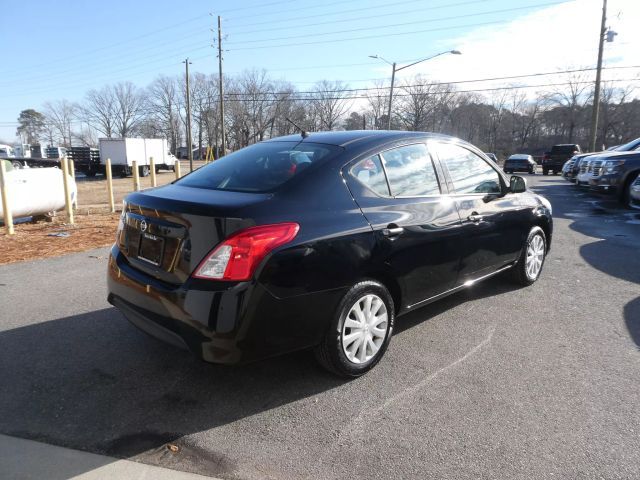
[(262, 167), (410, 171), (469, 172), (370, 173)]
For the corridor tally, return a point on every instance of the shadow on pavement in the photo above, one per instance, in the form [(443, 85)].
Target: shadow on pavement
[(632, 319), (93, 382)]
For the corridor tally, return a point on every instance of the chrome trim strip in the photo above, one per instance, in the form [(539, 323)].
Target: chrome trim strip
[(468, 283)]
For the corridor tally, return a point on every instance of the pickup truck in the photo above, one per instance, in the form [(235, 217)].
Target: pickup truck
[(554, 160)]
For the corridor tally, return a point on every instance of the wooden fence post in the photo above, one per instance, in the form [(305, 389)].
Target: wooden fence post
[(136, 176), (6, 205), (112, 205), (152, 166), (177, 165), (72, 171), (67, 190)]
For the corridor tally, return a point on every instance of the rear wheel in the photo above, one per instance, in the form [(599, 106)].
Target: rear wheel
[(545, 171), (527, 270), (144, 171), (360, 332)]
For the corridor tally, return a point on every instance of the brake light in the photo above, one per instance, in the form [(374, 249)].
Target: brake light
[(237, 258)]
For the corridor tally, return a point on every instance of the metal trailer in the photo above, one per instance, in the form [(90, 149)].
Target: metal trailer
[(85, 160), (123, 151)]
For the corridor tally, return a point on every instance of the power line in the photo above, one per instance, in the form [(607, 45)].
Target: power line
[(367, 37), (349, 19), (403, 24)]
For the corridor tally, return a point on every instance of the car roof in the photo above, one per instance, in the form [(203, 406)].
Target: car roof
[(360, 138)]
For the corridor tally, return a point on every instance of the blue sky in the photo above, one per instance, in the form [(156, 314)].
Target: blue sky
[(54, 50)]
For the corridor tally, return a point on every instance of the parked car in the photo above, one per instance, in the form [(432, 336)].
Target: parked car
[(554, 160), (571, 168), (615, 173), (493, 157), (320, 241), (634, 193), (520, 163)]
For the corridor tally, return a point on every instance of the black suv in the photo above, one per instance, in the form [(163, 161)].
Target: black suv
[(320, 241), (554, 160), (615, 173)]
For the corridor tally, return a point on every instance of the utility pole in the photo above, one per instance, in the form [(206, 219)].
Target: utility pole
[(596, 92), (223, 136), (393, 79), (190, 150)]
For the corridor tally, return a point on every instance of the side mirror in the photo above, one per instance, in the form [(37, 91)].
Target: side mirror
[(517, 184)]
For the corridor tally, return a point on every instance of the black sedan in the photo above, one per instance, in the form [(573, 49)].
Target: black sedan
[(320, 241), (520, 163)]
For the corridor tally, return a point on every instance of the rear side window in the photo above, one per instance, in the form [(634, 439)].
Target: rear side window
[(468, 171), (262, 167), (370, 173), (410, 171)]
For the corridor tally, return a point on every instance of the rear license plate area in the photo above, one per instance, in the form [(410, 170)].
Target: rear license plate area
[(151, 249)]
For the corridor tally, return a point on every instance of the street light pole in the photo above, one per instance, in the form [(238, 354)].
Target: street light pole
[(394, 69), (393, 79), (596, 92)]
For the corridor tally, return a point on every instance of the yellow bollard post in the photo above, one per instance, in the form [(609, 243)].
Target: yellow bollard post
[(67, 190), (177, 166), (112, 205), (136, 176), (152, 166), (72, 173), (6, 206)]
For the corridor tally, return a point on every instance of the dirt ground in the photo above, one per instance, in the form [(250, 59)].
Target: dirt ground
[(92, 229), (94, 225)]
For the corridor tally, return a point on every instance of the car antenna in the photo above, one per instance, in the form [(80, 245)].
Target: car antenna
[(303, 132)]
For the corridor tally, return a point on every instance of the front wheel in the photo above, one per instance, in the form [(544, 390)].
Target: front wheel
[(360, 331), (528, 267), (626, 192), (545, 171)]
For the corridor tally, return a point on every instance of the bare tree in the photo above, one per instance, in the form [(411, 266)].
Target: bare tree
[(59, 116), (130, 108), (163, 105), (419, 102), (378, 100), (329, 102), (100, 110)]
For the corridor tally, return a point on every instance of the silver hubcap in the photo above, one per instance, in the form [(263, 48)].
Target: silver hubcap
[(364, 329), (535, 256)]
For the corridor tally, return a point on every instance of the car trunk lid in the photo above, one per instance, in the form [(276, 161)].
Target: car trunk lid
[(166, 232)]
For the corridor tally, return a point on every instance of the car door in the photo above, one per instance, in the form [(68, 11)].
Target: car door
[(416, 224), (492, 220)]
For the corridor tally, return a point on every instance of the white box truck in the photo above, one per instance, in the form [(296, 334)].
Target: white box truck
[(123, 151)]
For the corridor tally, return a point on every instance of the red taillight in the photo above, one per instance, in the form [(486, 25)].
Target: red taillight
[(238, 256)]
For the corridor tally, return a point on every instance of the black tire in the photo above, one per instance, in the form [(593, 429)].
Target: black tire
[(625, 197), (173, 167), (330, 353), (16, 164), (532, 171), (545, 171), (519, 273), (157, 169), (144, 170)]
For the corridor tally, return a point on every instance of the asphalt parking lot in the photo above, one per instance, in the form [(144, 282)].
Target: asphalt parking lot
[(494, 382)]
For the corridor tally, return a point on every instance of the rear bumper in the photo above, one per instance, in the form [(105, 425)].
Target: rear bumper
[(229, 324)]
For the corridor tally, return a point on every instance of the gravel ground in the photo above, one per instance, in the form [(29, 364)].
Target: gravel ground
[(494, 382)]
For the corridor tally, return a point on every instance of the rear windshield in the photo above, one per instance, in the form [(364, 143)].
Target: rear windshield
[(262, 167), (564, 149)]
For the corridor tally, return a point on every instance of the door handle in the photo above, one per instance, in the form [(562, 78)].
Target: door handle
[(475, 218), (392, 232)]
